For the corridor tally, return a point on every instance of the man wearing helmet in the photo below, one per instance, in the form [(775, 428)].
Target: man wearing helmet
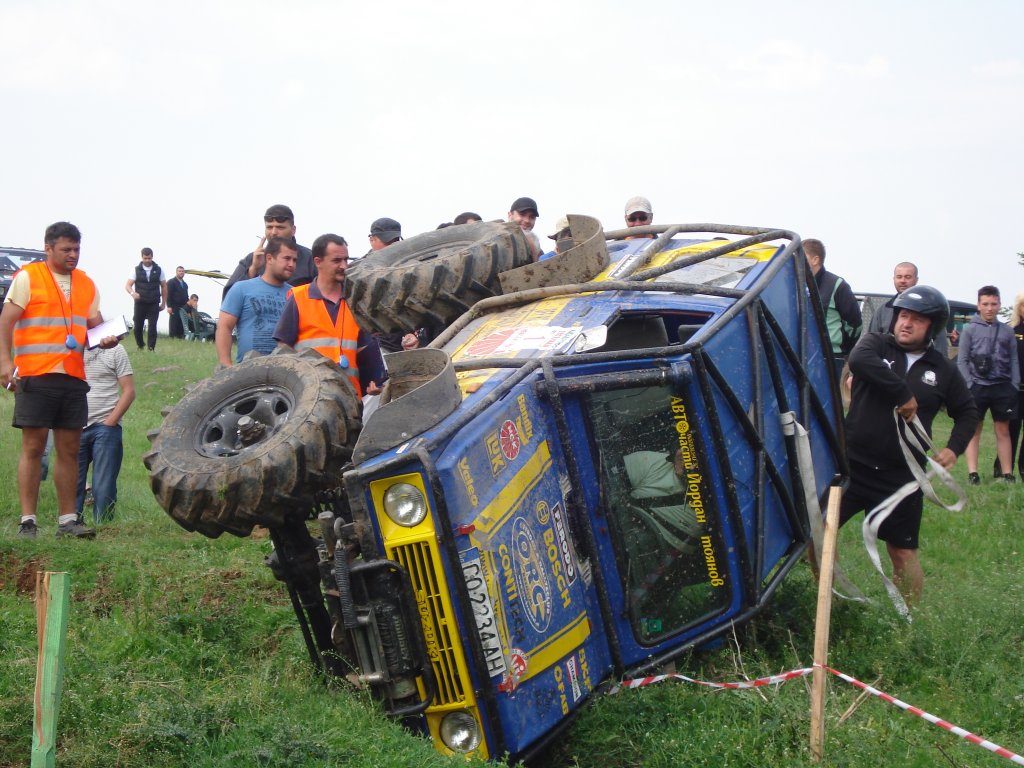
[(902, 371)]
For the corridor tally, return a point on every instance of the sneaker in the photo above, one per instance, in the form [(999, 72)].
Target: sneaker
[(27, 529), (974, 478), (1009, 478), (75, 529)]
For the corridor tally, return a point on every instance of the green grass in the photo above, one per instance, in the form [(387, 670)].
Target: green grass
[(183, 651)]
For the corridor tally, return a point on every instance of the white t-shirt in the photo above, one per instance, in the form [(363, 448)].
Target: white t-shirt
[(103, 367)]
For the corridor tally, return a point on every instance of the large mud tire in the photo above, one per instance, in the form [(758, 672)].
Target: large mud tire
[(209, 483), (431, 279)]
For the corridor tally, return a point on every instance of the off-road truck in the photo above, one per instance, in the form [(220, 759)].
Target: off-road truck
[(593, 468)]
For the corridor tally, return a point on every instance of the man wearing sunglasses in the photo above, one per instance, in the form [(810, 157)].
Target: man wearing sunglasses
[(278, 221), (639, 214)]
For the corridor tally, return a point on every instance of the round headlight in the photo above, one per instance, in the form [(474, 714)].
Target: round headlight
[(459, 732), (405, 504)]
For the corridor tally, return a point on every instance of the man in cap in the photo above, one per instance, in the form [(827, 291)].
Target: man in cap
[(384, 232), (562, 237), (278, 221), (639, 214), (523, 212)]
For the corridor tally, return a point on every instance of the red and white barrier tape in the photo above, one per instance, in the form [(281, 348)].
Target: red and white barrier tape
[(1014, 758), (1011, 756), (640, 682)]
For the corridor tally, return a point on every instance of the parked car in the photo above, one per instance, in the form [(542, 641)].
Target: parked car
[(583, 477), (13, 259), (960, 313)]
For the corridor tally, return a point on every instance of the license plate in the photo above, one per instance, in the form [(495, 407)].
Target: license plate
[(483, 614)]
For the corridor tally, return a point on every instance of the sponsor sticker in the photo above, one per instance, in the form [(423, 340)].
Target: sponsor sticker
[(508, 438), (574, 678), (531, 576)]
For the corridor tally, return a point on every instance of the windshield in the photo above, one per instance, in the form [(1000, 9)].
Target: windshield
[(662, 520)]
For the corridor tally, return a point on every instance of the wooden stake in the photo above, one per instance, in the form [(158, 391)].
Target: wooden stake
[(52, 600), (822, 623)]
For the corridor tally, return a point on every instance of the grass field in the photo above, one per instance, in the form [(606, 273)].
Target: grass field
[(183, 651)]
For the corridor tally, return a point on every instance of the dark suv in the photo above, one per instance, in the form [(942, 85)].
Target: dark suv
[(13, 259)]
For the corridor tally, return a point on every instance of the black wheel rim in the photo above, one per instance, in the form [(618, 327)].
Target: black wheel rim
[(217, 434)]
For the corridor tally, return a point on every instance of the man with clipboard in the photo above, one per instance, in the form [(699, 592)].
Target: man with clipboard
[(43, 334)]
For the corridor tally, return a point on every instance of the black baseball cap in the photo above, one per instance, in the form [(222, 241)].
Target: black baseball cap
[(525, 204), (388, 230)]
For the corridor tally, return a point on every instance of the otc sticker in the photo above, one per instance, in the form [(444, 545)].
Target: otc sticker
[(483, 614), (508, 436), (531, 576)]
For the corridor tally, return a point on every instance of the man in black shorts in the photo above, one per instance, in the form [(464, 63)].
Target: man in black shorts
[(43, 329), (988, 362), (901, 371)]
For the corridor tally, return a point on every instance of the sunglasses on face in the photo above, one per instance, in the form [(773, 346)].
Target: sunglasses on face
[(638, 217), (277, 219)]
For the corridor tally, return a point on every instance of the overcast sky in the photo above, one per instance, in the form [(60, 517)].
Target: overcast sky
[(890, 130)]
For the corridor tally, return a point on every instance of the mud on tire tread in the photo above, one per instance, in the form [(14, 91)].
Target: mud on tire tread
[(431, 279), (263, 482)]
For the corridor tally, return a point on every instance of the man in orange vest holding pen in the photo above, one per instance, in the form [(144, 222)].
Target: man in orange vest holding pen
[(317, 317), (43, 335)]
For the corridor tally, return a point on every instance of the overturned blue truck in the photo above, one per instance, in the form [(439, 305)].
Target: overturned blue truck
[(591, 470)]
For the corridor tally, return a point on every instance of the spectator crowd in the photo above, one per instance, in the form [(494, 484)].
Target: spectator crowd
[(73, 390)]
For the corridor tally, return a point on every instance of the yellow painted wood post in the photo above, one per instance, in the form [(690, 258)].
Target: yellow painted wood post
[(822, 623), (53, 592)]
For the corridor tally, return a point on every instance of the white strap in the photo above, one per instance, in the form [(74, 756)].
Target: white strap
[(912, 438), (805, 461)]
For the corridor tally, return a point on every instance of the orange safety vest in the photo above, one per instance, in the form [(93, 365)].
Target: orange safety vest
[(41, 333), (330, 339)]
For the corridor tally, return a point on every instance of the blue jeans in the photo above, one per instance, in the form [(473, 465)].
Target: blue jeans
[(101, 447)]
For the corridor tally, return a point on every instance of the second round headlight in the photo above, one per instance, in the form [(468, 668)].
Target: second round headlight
[(460, 732)]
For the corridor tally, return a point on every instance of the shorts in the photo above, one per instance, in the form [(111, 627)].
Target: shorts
[(53, 400), (999, 398), (869, 487)]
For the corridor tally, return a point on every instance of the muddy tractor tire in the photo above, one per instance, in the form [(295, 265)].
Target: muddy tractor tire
[(429, 280), (253, 443)]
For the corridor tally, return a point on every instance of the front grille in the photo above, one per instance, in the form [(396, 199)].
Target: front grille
[(439, 628)]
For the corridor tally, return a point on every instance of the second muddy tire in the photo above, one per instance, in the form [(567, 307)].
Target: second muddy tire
[(301, 418), (429, 280)]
